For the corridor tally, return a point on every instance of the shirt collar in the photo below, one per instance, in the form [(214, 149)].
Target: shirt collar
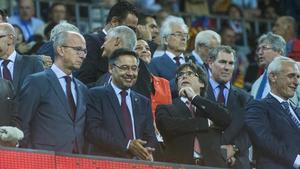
[(12, 57), (215, 84), (171, 55), (104, 31), (278, 98), (183, 99), (118, 90), (58, 72)]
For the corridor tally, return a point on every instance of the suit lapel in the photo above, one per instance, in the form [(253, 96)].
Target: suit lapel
[(136, 112), (79, 98), (210, 94), (168, 64), (232, 98), (18, 66), (181, 108), (116, 106), (58, 90)]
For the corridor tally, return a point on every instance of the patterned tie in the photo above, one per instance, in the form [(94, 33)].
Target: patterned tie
[(6, 72), (126, 115), (221, 98), (177, 58), (71, 101), (262, 86), (192, 109), (293, 117)]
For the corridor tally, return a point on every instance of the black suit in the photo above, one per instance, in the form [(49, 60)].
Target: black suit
[(179, 129), (236, 134), (93, 65)]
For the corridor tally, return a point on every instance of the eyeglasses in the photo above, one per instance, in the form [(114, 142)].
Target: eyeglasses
[(126, 68), (78, 49), (208, 47), (263, 48), (187, 74), (180, 35)]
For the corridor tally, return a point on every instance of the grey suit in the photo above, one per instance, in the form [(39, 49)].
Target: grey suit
[(46, 117), (24, 66)]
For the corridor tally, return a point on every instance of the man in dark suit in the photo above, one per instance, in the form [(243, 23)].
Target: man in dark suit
[(188, 134), (273, 124), (234, 139), (119, 120), (174, 32), (52, 103), (94, 66), (15, 67)]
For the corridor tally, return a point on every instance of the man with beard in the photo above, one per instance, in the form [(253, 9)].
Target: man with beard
[(119, 120)]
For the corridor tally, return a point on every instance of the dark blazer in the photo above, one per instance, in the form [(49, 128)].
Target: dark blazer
[(24, 66), (236, 133), (179, 129), (273, 133), (46, 116), (105, 127), (8, 104), (47, 49), (93, 65)]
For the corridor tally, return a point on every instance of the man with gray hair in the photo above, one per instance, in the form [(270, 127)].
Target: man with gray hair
[(15, 67), (204, 41), (53, 102), (273, 123), (174, 34)]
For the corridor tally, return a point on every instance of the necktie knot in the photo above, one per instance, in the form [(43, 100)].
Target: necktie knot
[(177, 59), (222, 86), (285, 105), (68, 79), (123, 93), (5, 62)]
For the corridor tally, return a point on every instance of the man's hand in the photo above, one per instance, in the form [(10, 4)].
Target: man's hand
[(144, 33), (187, 92), (136, 147)]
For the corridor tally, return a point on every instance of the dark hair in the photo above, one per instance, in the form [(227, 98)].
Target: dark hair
[(213, 53), (202, 76), (120, 52), (56, 4), (142, 18), (121, 10), (3, 13)]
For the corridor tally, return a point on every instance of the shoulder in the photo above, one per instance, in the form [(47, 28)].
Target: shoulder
[(141, 97), (95, 37)]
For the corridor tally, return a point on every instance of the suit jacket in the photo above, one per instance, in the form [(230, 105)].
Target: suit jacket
[(179, 129), (105, 126), (47, 49), (24, 66), (93, 65), (8, 104), (46, 116), (235, 133), (273, 133), (163, 66)]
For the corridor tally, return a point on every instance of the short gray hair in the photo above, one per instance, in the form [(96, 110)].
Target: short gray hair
[(276, 41), (61, 27), (166, 26), (126, 35), (213, 53), (276, 65), (204, 37)]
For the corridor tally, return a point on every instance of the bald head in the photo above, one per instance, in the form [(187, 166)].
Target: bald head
[(7, 40)]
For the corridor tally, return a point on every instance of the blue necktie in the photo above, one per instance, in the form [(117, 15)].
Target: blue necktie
[(262, 86), (293, 117)]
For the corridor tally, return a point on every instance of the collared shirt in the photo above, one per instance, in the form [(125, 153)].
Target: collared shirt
[(216, 89), (128, 102), (29, 28), (198, 59), (10, 65), (104, 31), (172, 56), (280, 100), (60, 76)]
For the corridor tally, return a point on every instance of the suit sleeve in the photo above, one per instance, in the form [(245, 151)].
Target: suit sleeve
[(28, 99), (259, 129), (218, 114), (170, 124), (96, 132), (149, 134)]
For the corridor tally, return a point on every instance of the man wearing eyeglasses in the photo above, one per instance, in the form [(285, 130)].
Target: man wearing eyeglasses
[(15, 67), (119, 120), (188, 124), (234, 140), (53, 103), (174, 32)]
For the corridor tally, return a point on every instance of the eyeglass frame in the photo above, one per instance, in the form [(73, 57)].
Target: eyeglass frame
[(187, 74), (181, 35), (263, 48), (126, 68), (76, 48)]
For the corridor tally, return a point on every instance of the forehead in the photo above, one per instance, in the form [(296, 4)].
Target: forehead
[(130, 19), (177, 28), (264, 43), (76, 39), (225, 56), (289, 67), (142, 43), (186, 69), (59, 7), (151, 20), (127, 60)]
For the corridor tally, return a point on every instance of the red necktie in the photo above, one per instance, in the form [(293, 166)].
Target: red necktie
[(6, 72), (70, 96), (221, 98), (177, 58), (126, 115), (197, 148)]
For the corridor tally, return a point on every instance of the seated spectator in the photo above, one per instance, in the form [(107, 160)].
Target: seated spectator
[(26, 20)]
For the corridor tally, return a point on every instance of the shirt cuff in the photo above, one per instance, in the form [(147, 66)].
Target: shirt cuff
[(297, 162), (127, 147)]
